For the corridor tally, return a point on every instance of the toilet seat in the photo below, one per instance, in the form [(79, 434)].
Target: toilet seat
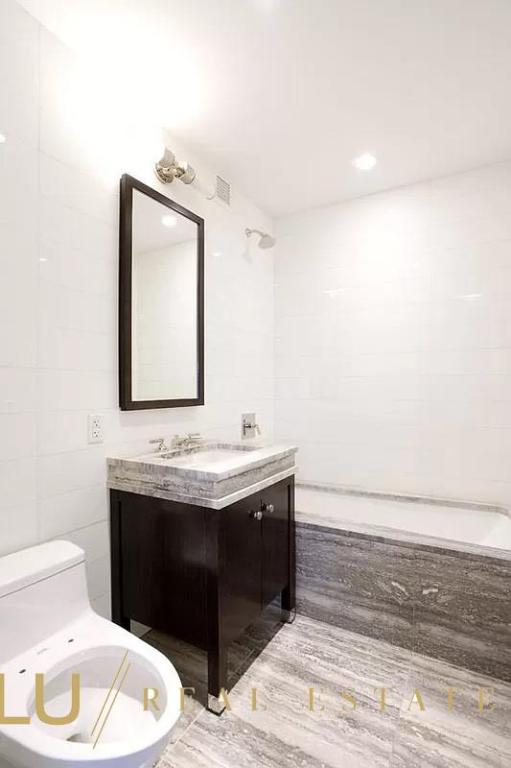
[(93, 647)]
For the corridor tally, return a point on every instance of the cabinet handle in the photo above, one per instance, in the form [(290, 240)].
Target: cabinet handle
[(269, 508), (256, 515)]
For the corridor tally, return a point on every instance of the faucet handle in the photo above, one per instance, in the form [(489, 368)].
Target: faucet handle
[(249, 425), (184, 442), (160, 442)]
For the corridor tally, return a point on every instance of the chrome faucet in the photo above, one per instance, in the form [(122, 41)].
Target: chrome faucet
[(160, 442), (249, 426), (186, 441)]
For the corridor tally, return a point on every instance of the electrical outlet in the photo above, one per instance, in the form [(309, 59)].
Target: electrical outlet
[(95, 428)]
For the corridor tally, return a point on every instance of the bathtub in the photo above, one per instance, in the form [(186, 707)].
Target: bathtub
[(437, 522), (432, 576)]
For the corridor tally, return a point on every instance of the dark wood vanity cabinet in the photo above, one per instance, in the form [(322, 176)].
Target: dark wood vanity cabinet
[(199, 574)]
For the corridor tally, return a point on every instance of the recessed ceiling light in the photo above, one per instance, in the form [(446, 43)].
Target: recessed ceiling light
[(3, 138), (364, 162), (169, 221)]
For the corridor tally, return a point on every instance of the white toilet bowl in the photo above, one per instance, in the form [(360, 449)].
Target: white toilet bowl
[(130, 694)]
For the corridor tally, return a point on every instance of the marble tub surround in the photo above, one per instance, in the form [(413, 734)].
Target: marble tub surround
[(283, 731), (444, 603), (212, 474)]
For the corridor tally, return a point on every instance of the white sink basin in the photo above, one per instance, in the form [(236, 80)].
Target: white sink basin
[(209, 459)]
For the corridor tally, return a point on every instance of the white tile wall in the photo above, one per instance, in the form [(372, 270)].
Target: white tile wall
[(393, 338), (58, 301), (392, 322)]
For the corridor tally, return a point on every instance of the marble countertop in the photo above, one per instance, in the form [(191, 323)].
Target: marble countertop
[(233, 458), (213, 474)]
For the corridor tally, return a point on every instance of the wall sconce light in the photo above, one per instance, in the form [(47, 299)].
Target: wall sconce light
[(168, 168)]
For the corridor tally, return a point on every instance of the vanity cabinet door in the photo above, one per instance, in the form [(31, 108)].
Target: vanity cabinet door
[(162, 573), (275, 540), (240, 567)]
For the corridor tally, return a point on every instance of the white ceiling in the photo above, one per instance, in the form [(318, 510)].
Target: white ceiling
[(278, 96)]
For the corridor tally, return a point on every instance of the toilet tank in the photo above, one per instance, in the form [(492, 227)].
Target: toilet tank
[(42, 589)]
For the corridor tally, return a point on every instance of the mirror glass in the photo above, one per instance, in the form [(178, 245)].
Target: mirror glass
[(165, 336)]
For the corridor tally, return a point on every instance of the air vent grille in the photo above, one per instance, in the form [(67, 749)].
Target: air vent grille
[(223, 190)]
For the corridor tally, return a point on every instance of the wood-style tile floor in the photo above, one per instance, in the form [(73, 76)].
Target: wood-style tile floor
[(436, 715)]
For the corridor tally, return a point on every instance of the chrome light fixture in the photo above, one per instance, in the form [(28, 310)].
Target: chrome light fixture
[(169, 168)]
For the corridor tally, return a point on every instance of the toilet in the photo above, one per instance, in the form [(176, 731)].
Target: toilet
[(129, 693)]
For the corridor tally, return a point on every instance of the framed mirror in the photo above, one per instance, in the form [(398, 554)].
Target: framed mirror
[(161, 301)]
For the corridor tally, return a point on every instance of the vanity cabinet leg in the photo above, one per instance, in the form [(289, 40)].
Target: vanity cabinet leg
[(287, 602), (217, 679), (217, 648), (288, 595), (115, 560), (122, 621)]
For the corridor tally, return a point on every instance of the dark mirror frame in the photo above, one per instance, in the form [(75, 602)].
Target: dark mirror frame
[(128, 184)]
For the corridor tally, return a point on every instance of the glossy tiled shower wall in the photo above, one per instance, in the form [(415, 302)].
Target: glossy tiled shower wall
[(59, 172), (393, 338)]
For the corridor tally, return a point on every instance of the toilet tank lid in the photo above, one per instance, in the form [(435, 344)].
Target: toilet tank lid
[(28, 566)]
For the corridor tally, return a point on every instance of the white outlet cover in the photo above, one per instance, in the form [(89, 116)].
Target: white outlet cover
[(95, 428)]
